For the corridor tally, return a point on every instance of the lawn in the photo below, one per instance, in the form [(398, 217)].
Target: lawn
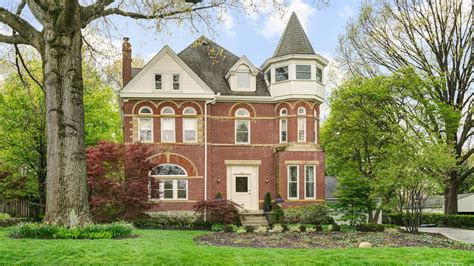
[(178, 247)]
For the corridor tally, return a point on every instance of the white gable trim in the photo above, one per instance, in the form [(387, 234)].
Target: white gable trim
[(166, 50), (243, 60)]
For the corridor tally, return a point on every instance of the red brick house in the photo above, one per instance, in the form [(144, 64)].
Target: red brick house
[(225, 126)]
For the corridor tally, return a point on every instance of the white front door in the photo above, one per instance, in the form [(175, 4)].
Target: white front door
[(242, 186)]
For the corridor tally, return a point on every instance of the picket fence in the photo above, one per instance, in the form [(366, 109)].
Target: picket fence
[(21, 208)]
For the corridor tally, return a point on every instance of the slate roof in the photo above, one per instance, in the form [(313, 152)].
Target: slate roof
[(211, 62), (294, 39)]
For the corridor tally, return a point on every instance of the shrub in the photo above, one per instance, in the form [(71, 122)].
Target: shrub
[(316, 214), (249, 229), (294, 227), (219, 211), (334, 228), (261, 229), (4, 216), (167, 221), (368, 227), (294, 215), (241, 230), (318, 228), (11, 221), (218, 195), (303, 228), (93, 231), (277, 228), (231, 228), (277, 215), (267, 202), (217, 227)]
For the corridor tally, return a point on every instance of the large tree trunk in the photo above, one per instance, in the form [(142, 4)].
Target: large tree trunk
[(67, 197), (451, 194)]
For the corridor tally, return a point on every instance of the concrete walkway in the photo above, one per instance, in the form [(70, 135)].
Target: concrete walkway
[(464, 235)]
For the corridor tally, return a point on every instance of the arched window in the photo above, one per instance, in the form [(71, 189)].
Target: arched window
[(145, 110), (170, 188), (189, 125), (242, 126), (145, 125), (301, 124), (283, 125), (167, 125)]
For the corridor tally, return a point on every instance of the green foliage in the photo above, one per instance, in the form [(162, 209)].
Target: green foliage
[(218, 227), (6, 222), (93, 231), (309, 214), (4, 216), (370, 227), (249, 228), (267, 202), (277, 215), (218, 195), (451, 220), (165, 221)]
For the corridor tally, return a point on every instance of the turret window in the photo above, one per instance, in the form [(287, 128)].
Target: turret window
[(301, 124), (303, 72), (281, 73), (319, 74)]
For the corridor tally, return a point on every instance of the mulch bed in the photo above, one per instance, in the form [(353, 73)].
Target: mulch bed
[(330, 240)]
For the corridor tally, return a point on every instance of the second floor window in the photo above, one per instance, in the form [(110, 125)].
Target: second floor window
[(303, 72), (315, 119), (281, 73), (301, 124), (242, 126), (176, 82), (189, 125), (283, 125), (145, 125), (167, 125), (158, 81), (319, 74)]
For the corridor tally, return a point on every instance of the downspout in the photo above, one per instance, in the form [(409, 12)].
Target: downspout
[(205, 144)]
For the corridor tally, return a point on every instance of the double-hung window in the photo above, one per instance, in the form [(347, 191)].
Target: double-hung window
[(303, 72), (283, 125), (145, 125), (176, 82), (293, 177), (319, 74), (167, 125), (242, 126), (158, 81), (301, 124), (281, 73), (309, 182), (189, 125)]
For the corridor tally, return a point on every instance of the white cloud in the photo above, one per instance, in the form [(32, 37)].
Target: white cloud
[(273, 21), (227, 23), (346, 12)]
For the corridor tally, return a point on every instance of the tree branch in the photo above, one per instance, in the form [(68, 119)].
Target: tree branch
[(29, 35)]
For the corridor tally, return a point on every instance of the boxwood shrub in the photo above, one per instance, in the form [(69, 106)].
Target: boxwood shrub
[(93, 231), (177, 221), (452, 220)]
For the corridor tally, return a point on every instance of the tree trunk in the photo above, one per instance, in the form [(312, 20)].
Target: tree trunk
[(66, 190), (451, 194)]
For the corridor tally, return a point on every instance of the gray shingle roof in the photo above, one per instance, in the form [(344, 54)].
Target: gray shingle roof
[(294, 39), (211, 62)]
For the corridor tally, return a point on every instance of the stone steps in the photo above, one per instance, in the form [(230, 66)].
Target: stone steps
[(254, 219)]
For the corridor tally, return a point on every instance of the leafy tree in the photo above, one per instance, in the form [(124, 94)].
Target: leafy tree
[(371, 135), (58, 38), (23, 148), (435, 38)]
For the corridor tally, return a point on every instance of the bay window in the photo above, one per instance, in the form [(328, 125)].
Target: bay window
[(303, 72), (281, 73), (319, 74)]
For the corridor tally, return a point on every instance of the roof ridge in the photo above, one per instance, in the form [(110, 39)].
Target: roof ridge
[(208, 40)]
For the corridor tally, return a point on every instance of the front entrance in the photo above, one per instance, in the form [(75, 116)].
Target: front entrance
[(242, 186)]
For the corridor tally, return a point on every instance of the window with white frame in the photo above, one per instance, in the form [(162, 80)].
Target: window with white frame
[(301, 124), (242, 126), (309, 182), (243, 80), (189, 125), (171, 189), (283, 125), (145, 125), (167, 125), (158, 81), (319, 74), (175, 82), (293, 177), (281, 73), (303, 72)]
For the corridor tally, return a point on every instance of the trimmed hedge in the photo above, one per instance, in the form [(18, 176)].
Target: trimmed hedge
[(164, 221), (452, 220), (93, 231), (368, 227), (309, 214)]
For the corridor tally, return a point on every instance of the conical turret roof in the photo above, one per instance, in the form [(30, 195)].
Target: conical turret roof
[(294, 39)]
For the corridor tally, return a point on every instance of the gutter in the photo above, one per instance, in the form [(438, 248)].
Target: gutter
[(212, 101)]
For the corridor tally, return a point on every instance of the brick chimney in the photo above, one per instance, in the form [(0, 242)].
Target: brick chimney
[(126, 61)]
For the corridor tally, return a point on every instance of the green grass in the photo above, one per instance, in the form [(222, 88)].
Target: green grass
[(177, 247)]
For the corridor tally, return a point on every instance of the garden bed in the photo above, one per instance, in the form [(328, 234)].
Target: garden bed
[(330, 240)]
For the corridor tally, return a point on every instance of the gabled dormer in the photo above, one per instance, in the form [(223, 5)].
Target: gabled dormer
[(242, 75), (295, 70)]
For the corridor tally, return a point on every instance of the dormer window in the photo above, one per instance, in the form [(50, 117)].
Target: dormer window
[(243, 80), (158, 81), (176, 82), (303, 72), (281, 73), (242, 75), (319, 74)]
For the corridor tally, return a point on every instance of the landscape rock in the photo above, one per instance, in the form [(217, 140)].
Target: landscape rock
[(365, 245)]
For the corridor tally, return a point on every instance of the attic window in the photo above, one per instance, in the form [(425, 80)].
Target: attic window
[(281, 73), (176, 82), (243, 80), (158, 84)]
